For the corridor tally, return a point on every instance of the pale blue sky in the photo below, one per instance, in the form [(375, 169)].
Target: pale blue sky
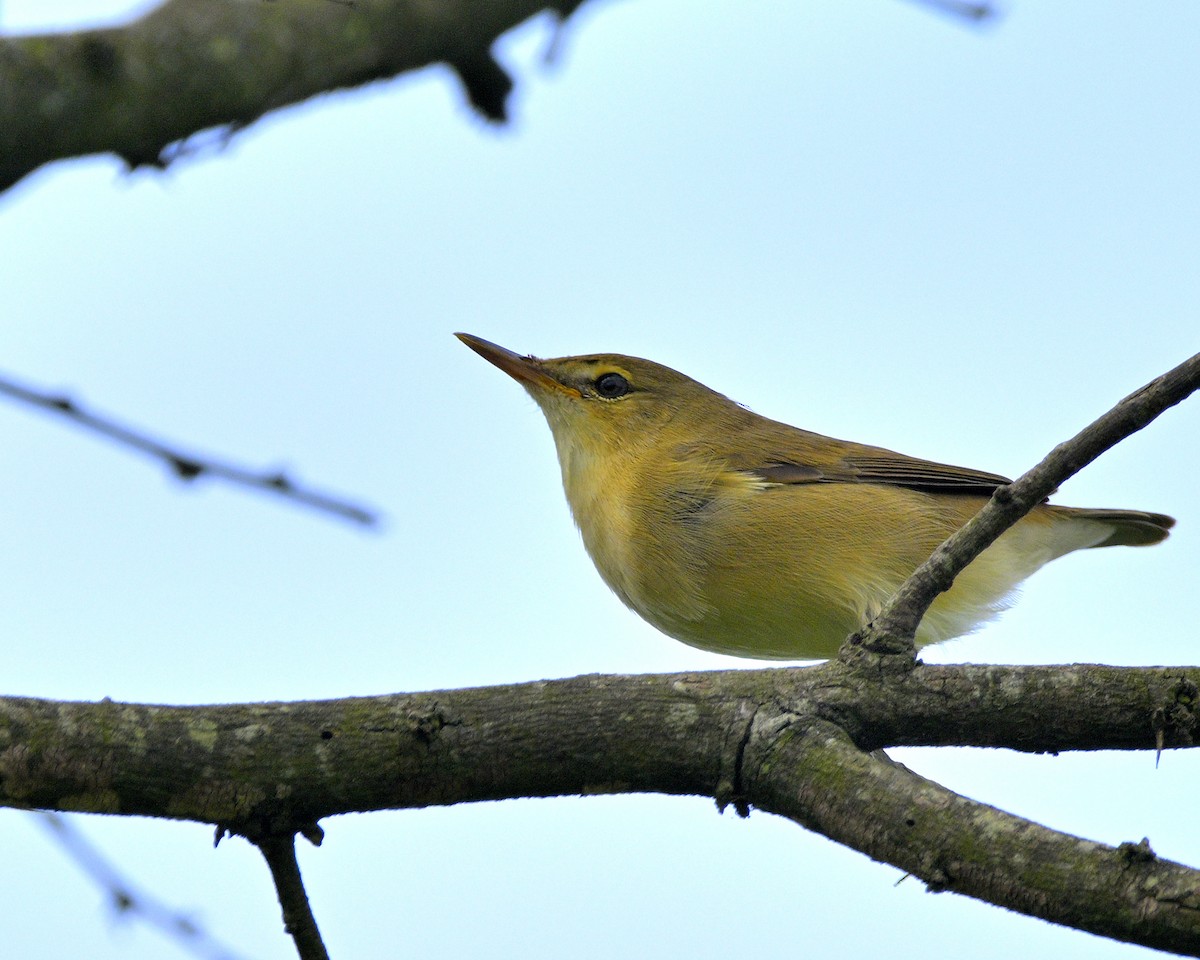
[(858, 217)]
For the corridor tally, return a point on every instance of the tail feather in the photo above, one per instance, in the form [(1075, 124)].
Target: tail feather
[(1130, 528)]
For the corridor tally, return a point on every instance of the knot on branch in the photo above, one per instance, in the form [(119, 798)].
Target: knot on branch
[(937, 880), (99, 57), (487, 84), (185, 468), (428, 723), (1175, 721), (878, 652), (270, 827), (1137, 852), (730, 787)]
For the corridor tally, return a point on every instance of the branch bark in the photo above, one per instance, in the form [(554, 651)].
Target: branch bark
[(279, 850), (822, 781), (668, 733), (792, 742), (192, 65)]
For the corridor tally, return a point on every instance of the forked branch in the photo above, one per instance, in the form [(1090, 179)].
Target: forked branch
[(812, 774), (902, 615), (798, 743)]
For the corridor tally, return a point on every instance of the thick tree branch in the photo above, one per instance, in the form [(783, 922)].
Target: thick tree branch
[(141, 90), (187, 466), (669, 733), (1031, 709), (790, 742), (192, 65), (893, 630)]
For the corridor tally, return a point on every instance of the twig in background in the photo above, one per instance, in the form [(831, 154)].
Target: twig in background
[(185, 465), (125, 900), (962, 9)]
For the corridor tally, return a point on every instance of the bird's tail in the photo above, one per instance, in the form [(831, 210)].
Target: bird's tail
[(1130, 528)]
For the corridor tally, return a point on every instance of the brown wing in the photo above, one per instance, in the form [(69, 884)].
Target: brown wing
[(805, 457), (780, 453), (894, 470), (899, 470)]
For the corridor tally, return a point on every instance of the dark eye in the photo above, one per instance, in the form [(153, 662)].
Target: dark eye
[(611, 385)]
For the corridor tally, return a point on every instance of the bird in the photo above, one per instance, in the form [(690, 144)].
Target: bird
[(743, 535)]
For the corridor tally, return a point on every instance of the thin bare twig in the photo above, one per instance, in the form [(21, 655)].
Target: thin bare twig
[(897, 623), (279, 850), (961, 9), (187, 466), (125, 899)]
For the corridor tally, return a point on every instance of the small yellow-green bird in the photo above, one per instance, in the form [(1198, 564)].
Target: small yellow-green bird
[(746, 536)]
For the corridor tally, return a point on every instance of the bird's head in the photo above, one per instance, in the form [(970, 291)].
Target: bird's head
[(606, 402)]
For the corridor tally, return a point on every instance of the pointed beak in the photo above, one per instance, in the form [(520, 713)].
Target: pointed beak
[(528, 371)]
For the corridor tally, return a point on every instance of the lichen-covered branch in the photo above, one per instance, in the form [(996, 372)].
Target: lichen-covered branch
[(793, 742), (1049, 709), (813, 774), (284, 765), (192, 65)]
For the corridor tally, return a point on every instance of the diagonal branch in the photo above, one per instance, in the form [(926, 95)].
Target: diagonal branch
[(279, 850), (814, 775), (901, 616), (188, 466)]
